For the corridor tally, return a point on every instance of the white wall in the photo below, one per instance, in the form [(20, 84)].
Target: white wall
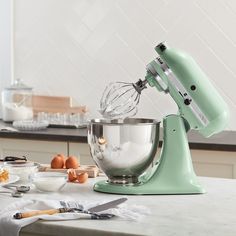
[(76, 47), (5, 43)]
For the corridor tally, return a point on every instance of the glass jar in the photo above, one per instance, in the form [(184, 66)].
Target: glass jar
[(17, 102)]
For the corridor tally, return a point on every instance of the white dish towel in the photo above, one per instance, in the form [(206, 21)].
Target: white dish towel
[(11, 227)]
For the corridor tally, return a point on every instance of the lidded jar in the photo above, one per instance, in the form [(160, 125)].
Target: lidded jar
[(17, 102)]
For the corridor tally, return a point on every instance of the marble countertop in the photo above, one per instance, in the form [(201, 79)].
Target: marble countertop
[(224, 141), (212, 213)]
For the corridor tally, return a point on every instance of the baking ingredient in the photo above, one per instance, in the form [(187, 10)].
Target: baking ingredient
[(12, 112), (72, 162), (49, 184), (82, 178), (102, 141), (72, 176), (63, 158), (58, 162), (4, 175)]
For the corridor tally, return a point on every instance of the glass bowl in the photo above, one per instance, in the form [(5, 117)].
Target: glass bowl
[(49, 181), (21, 169), (30, 125)]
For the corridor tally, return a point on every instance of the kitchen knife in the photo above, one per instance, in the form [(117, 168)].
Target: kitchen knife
[(108, 205), (101, 207)]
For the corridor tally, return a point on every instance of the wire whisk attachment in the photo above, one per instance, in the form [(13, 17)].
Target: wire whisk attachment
[(120, 99)]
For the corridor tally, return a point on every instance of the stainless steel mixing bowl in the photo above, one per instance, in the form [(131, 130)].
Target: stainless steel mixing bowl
[(123, 149)]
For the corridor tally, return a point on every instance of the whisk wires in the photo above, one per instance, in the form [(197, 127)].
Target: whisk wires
[(120, 100)]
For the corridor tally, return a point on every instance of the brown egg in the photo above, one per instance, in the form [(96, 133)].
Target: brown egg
[(72, 162), (82, 178), (64, 159), (58, 162), (72, 176)]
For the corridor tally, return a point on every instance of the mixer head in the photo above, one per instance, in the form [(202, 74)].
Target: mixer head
[(120, 99), (176, 73)]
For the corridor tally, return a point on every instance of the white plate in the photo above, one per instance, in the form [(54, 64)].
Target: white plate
[(12, 179)]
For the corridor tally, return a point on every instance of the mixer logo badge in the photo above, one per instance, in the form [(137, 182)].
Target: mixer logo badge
[(160, 61)]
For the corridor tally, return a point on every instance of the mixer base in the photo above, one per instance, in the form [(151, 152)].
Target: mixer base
[(146, 189)]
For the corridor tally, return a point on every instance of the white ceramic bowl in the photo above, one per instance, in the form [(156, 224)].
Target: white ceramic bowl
[(49, 181)]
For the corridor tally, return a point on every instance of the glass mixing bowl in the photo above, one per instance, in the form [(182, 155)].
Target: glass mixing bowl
[(21, 169), (49, 181), (123, 149)]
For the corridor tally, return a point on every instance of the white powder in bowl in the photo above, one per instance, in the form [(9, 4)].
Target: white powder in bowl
[(49, 182)]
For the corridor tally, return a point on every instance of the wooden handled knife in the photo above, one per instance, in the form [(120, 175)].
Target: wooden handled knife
[(99, 208)]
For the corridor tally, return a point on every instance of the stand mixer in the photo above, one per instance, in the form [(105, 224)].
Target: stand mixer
[(124, 147)]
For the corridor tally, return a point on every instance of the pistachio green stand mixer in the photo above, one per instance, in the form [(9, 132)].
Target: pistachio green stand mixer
[(200, 107)]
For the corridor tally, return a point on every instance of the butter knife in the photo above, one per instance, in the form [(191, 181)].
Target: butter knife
[(108, 205), (92, 210)]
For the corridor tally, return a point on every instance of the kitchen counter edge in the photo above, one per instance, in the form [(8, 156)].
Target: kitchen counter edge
[(224, 141)]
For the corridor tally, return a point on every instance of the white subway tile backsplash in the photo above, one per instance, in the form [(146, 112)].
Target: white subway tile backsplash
[(153, 7), (144, 22), (171, 13), (231, 5), (221, 16), (97, 11), (76, 28), (77, 47), (100, 35), (81, 7)]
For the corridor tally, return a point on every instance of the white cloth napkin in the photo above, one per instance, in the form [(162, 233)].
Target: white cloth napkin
[(11, 227)]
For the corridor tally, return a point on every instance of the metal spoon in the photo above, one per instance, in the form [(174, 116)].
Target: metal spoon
[(17, 194), (14, 194), (20, 188)]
